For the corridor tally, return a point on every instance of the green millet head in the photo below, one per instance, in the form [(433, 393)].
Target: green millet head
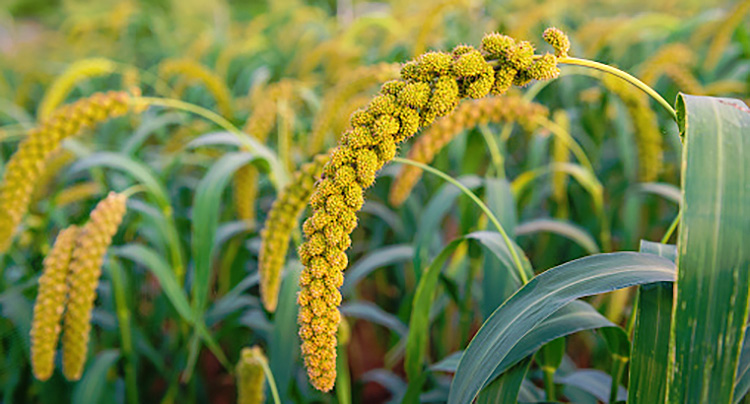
[(558, 40)]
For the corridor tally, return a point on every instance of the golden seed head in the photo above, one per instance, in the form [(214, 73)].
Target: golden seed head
[(277, 232), (245, 191), (27, 164), (250, 376), (431, 87), (92, 243), (544, 68), (558, 40), (76, 72), (496, 45), (50, 304), (196, 72)]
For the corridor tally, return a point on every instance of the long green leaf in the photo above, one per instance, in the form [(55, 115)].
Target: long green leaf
[(742, 384), (284, 344), (563, 228), (650, 352), (206, 209), (152, 261), (154, 187), (574, 317), (94, 381), (373, 260), (541, 297), (504, 389), (711, 301), (416, 344)]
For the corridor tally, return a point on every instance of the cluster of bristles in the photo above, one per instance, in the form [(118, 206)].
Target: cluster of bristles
[(68, 287), (430, 87), (467, 115)]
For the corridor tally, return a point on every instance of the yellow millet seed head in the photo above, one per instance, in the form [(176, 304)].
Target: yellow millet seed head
[(27, 164), (469, 63), (411, 73), (196, 72), (496, 45), (50, 304), (85, 269), (461, 50), (245, 192), (63, 84), (504, 77), (435, 64), (282, 218), (414, 95), (522, 55), (558, 40), (391, 87), (544, 68), (431, 87), (250, 376)]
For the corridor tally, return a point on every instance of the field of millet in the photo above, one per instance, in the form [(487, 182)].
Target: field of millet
[(345, 201)]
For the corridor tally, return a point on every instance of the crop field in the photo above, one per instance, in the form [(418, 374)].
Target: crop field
[(346, 201)]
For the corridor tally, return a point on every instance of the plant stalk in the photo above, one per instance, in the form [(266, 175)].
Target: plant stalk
[(508, 243)]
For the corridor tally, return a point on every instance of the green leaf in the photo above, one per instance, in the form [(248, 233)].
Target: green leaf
[(94, 381), (154, 187), (742, 384), (149, 125), (371, 312), (711, 301), (505, 388), (152, 261), (563, 228), (574, 317), (594, 382), (433, 214), (666, 191), (416, 343), (650, 347), (127, 164), (538, 299), (283, 348), (205, 218), (373, 260), (500, 200)]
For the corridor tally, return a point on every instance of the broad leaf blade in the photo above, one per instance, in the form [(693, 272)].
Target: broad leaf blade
[(541, 297), (505, 388), (650, 352), (713, 258)]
